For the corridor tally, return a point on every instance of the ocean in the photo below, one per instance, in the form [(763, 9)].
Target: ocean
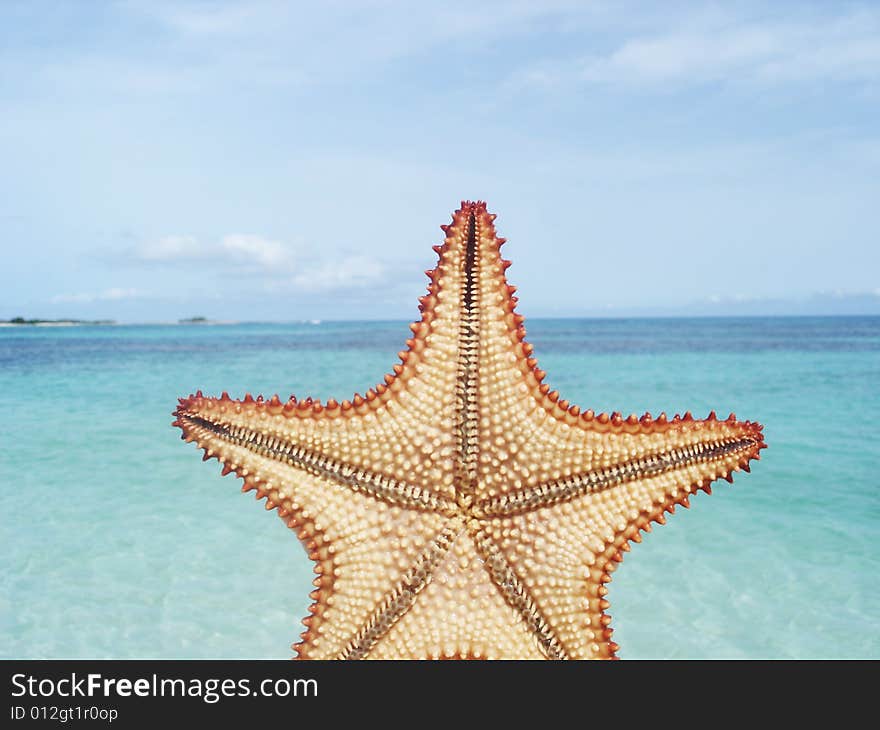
[(118, 541)]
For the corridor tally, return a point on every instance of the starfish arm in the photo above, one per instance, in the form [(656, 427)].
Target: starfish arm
[(337, 442), (372, 538), (591, 454), (564, 537)]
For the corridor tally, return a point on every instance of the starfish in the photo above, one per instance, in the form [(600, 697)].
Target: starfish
[(460, 508)]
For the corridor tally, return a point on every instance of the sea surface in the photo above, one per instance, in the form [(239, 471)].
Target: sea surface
[(118, 541)]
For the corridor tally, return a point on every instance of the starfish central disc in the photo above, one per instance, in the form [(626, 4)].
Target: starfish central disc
[(460, 509)]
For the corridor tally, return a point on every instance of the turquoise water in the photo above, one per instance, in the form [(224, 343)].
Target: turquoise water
[(119, 542)]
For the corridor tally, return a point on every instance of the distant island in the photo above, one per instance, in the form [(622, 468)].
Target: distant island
[(55, 322), (194, 320)]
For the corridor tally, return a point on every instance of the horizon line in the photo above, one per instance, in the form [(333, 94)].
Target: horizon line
[(107, 322)]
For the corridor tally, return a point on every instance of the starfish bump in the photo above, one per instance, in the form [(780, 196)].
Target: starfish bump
[(460, 508)]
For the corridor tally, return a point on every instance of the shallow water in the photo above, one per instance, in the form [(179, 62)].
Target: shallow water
[(120, 542)]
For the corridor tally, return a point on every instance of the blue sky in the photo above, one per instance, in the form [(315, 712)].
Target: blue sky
[(273, 160)]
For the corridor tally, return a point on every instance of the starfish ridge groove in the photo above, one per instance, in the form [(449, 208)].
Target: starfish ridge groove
[(461, 509)]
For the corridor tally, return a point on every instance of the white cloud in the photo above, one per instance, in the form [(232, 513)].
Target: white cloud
[(202, 19), (244, 251), (730, 49), (352, 272), (282, 267), (172, 248), (260, 251), (113, 294), (690, 56)]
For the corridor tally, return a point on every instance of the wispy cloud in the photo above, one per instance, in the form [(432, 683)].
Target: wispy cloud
[(349, 272), (114, 294), (245, 251), (280, 266), (372, 28), (203, 19), (172, 248), (262, 252), (844, 47), (268, 44), (265, 43)]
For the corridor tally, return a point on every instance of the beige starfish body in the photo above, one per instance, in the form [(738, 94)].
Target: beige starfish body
[(460, 509)]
